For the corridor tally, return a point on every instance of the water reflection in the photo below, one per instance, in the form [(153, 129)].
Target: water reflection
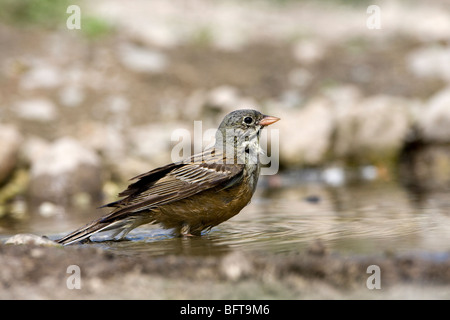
[(360, 218)]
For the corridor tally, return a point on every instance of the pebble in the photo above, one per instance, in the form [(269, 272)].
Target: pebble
[(41, 76), (31, 239), (334, 176), (65, 168), (36, 109), (434, 118), (142, 59)]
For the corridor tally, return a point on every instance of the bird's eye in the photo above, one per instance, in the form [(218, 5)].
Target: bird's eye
[(248, 120)]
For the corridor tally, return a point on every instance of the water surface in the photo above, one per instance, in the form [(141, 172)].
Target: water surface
[(364, 218)]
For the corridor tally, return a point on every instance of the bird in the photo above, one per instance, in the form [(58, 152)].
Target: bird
[(192, 195)]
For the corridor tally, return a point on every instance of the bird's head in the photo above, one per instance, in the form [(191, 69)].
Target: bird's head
[(241, 129)]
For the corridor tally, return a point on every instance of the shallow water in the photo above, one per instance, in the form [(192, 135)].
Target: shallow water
[(365, 218)]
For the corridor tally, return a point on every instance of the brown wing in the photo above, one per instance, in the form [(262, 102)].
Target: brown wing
[(174, 182), (163, 185)]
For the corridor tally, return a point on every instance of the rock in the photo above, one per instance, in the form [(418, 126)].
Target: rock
[(42, 75), (48, 209), (10, 142), (291, 98), (224, 99), (373, 129), (308, 51), (31, 239), (425, 167), (71, 96), (306, 133), (341, 125), (430, 62), (434, 118), (106, 139), (141, 59), (117, 104), (300, 77), (236, 266), (334, 176), (63, 170), (153, 142), (38, 109), (32, 148)]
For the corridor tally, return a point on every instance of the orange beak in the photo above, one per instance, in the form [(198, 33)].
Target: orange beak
[(268, 120)]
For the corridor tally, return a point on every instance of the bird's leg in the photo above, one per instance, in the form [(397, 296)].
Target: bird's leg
[(185, 230), (85, 240)]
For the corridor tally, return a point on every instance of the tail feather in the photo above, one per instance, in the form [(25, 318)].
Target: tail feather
[(98, 226), (82, 233)]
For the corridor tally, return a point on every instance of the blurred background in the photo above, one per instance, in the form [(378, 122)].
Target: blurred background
[(365, 130)]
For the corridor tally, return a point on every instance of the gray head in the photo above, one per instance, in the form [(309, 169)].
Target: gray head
[(241, 129), (246, 120)]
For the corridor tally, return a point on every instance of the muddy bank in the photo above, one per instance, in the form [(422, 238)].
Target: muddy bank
[(34, 272)]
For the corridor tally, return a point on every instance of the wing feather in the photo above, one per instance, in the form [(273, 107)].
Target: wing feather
[(174, 182)]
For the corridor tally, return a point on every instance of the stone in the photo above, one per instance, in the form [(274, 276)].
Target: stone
[(36, 109), (106, 139), (309, 51), (142, 59), (63, 170), (10, 142), (372, 129), (42, 75), (71, 96), (300, 77), (31, 239), (235, 266), (32, 148), (334, 176), (306, 133), (222, 100), (425, 167), (48, 209), (430, 62), (223, 97), (153, 142), (434, 118)]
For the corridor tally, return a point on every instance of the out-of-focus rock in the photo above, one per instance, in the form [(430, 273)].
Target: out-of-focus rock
[(71, 96), (10, 142), (32, 148), (343, 125), (48, 209), (63, 170), (154, 142), (305, 134), (425, 159), (141, 59), (334, 176), (430, 62), (434, 118), (425, 167), (235, 266), (374, 129), (194, 105), (38, 109), (31, 239), (291, 98), (106, 139), (300, 77), (224, 99), (309, 51), (42, 75)]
